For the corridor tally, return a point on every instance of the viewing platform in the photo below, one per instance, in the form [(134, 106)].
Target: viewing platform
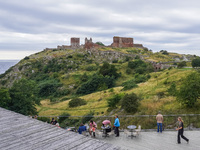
[(20, 132)]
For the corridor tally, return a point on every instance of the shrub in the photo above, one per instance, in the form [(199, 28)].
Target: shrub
[(160, 94), (189, 92), (114, 100), (115, 61), (182, 64), (84, 77), (140, 78), (128, 71), (48, 87), (26, 58), (196, 62), (109, 70), (100, 43), (91, 68), (130, 103), (172, 90), (95, 83), (77, 102), (129, 84)]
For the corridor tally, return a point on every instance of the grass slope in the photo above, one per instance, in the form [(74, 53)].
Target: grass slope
[(148, 91)]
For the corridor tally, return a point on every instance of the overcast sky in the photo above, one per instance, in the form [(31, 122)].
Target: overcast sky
[(29, 26)]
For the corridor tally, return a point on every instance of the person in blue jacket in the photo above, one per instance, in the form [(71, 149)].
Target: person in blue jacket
[(116, 124), (81, 128)]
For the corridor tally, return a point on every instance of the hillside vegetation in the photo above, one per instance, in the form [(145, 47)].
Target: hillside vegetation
[(96, 76)]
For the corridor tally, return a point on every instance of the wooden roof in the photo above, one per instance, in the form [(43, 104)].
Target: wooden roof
[(20, 132)]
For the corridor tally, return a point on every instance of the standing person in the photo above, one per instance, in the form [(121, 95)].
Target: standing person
[(92, 126), (159, 119), (116, 124), (180, 131)]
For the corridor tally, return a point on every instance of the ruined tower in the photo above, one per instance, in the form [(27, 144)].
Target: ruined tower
[(75, 42)]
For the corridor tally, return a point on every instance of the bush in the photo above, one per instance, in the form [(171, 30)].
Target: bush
[(97, 82), (130, 103), (115, 61), (182, 64), (77, 102), (172, 90), (91, 68), (129, 85), (48, 87), (109, 70), (189, 92), (26, 58), (100, 43), (135, 64), (140, 78), (114, 100), (196, 62), (128, 71)]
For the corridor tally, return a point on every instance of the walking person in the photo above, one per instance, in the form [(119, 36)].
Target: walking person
[(159, 119), (180, 131), (117, 125)]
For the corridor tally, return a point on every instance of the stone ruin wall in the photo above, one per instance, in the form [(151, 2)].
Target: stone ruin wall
[(122, 42), (75, 42), (89, 44)]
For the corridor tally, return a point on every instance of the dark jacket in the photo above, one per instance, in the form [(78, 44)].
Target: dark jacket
[(81, 129)]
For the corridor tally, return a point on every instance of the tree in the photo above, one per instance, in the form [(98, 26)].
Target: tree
[(189, 91), (23, 97), (4, 98), (196, 63), (130, 103), (182, 64), (109, 70), (100, 43)]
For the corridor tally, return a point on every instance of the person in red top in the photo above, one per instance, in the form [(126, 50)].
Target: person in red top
[(92, 128)]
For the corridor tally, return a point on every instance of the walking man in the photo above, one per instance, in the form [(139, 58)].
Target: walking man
[(159, 119)]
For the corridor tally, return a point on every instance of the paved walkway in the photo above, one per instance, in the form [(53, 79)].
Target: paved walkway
[(156, 141)]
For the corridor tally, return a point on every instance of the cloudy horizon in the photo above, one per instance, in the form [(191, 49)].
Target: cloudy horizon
[(28, 27)]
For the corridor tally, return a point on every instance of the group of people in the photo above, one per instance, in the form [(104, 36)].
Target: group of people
[(105, 123), (180, 127)]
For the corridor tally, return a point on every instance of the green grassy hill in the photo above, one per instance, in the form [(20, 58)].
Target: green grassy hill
[(66, 69)]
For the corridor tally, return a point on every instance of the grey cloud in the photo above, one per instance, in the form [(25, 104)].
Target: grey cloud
[(48, 23)]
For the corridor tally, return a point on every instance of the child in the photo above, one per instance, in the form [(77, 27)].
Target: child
[(93, 130)]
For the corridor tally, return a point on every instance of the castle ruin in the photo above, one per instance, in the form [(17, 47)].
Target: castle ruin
[(118, 42), (122, 42), (75, 42)]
